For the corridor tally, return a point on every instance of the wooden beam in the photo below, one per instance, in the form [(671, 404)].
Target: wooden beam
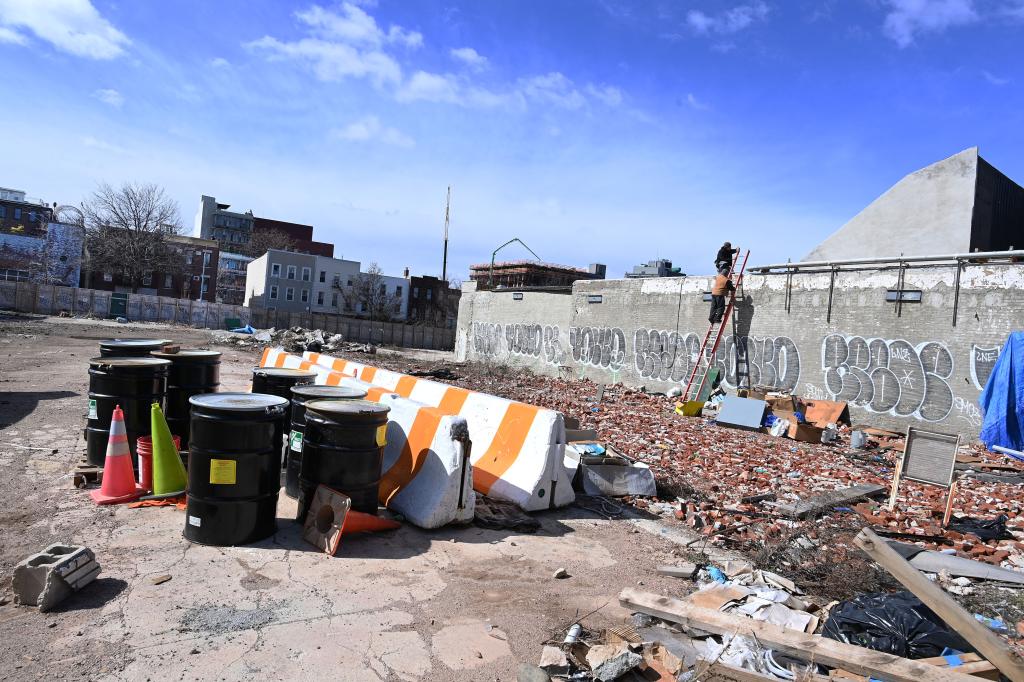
[(980, 637), (801, 509), (793, 642)]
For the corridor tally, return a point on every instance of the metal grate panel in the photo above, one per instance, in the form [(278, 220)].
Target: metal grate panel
[(930, 457)]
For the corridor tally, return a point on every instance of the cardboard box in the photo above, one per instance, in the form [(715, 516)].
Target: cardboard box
[(786, 403), (808, 433)]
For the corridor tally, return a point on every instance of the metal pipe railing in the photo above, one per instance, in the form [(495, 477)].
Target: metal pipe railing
[(952, 258)]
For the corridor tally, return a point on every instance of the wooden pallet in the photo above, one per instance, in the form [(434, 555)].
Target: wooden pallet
[(86, 472)]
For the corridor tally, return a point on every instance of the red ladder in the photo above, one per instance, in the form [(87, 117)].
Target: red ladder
[(714, 334)]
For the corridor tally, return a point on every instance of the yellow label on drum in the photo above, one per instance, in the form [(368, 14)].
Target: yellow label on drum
[(382, 435), (222, 471)]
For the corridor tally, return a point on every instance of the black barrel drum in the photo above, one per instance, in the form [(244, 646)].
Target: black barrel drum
[(134, 383), (343, 448), (234, 467), (300, 396), (122, 348), (192, 372), (279, 381)]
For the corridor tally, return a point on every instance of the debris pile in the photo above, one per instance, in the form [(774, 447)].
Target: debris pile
[(293, 340)]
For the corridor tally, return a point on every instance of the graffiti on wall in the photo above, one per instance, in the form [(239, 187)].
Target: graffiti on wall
[(982, 362), (889, 376), (603, 347), (489, 340), (770, 361), (664, 355)]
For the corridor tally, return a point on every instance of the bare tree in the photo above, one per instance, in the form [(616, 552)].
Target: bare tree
[(262, 241), (369, 289), (126, 231)]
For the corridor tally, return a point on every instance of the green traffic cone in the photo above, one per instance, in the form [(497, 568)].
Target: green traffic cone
[(168, 472)]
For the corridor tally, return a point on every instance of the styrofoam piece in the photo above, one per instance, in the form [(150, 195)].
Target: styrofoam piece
[(518, 449), (745, 413)]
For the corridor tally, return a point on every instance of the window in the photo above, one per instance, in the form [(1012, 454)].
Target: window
[(11, 275), (383, 290), (323, 276), (305, 274), (291, 272), (350, 282), (289, 294), (273, 291), (168, 281), (188, 258), (205, 286), (334, 300), (305, 295), (206, 257), (275, 270), (17, 214), (415, 292), (320, 297), (107, 277), (398, 291), (31, 216), (3, 211), (430, 293), (147, 279)]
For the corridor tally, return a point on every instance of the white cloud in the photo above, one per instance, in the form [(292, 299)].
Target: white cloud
[(552, 88), (1014, 10), (732, 20), (352, 24), (332, 61), (10, 36), (219, 63), (470, 58), (695, 103), (368, 129), (908, 18), (994, 79), (109, 96), (72, 26), (608, 94), (431, 87), (342, 44)]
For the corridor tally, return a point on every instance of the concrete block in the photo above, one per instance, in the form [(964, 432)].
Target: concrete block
[(49, 577)]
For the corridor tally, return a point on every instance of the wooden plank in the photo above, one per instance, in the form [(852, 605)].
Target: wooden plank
[(980, 637), (819, 503), (799, 644)]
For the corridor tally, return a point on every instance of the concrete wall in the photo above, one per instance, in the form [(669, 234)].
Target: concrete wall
[(914, 367)]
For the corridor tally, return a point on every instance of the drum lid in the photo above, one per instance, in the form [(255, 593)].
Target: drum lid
[(238, 402)]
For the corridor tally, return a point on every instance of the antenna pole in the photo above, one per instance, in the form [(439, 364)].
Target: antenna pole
[(444, 260)]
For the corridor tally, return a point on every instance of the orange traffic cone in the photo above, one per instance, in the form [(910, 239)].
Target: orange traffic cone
[(118, 477), (361, 522)]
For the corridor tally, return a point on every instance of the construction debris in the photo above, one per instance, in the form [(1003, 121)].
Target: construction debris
[(293, 340), (49, 577)]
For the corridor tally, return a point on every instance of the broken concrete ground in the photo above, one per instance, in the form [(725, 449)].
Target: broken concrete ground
[(453, 604)]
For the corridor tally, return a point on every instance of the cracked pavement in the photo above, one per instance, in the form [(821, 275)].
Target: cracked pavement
[(456, 603)]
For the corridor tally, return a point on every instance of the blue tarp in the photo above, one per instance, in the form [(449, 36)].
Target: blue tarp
[(1002, 401)]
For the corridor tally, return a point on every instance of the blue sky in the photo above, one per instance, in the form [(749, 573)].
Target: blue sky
[(605, 131)]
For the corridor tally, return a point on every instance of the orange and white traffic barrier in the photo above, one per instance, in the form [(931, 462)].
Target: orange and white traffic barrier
[(518, 449), (426, 475)]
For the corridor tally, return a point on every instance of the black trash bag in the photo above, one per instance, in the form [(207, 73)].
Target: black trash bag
[(986, 529), (896, 623)]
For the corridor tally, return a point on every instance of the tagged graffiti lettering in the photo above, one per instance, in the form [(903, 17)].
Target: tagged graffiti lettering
[(553, 353), (486, 339), (747, 361), (967, 411), (889, 376), (983, 360), (598, 346), (523, 339), (663, 355)]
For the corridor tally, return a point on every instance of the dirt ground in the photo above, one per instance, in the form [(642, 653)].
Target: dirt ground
[(458, 603)]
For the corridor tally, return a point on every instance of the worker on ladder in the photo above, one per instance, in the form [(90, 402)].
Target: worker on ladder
[(719, 290), (724, 257)]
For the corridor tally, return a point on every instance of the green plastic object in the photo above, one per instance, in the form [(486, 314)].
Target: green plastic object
[(168, 472)]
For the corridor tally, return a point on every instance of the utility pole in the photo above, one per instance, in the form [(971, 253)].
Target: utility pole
[(444, 260)]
